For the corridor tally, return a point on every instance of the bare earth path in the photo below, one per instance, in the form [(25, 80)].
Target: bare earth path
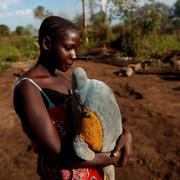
[(150, 106)]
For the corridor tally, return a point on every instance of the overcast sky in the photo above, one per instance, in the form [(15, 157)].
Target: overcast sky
[(20, 12)]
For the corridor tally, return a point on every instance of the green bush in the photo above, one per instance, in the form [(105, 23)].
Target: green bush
[(16, 48), (128, 41), (9, 53), (30, 48), (4, 65), (156, 45)]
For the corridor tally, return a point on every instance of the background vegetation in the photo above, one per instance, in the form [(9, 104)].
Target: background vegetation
[(136, 31)]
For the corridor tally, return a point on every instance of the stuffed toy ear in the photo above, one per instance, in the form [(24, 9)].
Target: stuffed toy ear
[(80, 84)]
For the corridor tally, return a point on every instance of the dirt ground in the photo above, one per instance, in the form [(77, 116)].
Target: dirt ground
[(150, 106)]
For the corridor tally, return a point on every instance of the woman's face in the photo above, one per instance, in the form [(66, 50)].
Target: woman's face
[(64, 49)]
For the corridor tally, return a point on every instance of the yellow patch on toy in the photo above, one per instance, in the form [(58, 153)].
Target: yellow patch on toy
[(91, 130)]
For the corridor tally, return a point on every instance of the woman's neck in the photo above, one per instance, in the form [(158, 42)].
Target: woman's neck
[(44, 60)]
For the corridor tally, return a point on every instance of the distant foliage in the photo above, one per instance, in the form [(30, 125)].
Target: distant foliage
[(152, 17), (177, 9), (176, 24), (40, 12), (127, 41), (142, 32), (156, 45), (17, 48), (4, 30), (21, 30), (4, 65)]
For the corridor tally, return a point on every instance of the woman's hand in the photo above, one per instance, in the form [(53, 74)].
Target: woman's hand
[(123, 148), (117, 157)]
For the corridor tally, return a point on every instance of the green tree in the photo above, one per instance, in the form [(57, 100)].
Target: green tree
[(31, 29), (91, 7), (78, 20), (176, 23), (165, 15), (162, 8), (125, 9), (177, 9), (153, 17), (100, 20), (99, 27), (20, 30), (40, 12), (4, 30)]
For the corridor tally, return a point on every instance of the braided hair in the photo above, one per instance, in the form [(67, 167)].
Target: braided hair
[(54, 26)]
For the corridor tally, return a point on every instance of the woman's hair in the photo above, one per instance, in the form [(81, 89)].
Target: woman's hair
[(54, 26)]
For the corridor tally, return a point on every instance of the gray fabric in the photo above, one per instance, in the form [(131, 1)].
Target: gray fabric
[(98, 97)]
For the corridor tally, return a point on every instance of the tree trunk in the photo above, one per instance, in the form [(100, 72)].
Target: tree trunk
[(84, 22)]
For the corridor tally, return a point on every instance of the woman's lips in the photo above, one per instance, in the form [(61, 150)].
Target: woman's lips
[(68, 66)]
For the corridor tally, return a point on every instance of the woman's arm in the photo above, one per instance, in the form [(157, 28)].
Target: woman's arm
[(123, 146), (34, 116), (100, 159), (117, 157)]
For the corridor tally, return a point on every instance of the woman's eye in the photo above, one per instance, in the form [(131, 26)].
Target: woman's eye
[(68, 48)]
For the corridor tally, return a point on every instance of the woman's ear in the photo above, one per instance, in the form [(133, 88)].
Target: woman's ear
[(46, 43)]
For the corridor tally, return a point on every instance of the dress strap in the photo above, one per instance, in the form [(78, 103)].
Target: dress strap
[(51, 105)]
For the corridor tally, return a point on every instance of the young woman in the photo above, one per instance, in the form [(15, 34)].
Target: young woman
[(42, 92)]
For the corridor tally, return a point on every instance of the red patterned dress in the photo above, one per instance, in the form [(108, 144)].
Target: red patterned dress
[(47, 168), (50, 169)]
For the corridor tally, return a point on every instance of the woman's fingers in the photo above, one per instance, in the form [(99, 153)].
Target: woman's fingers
[(124, 147), (119, 145)]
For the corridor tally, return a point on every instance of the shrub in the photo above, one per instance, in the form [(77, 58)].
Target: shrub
[(128, 41), (4, 65), (9, 53), (16, 48), (30, 48), (154, 46)]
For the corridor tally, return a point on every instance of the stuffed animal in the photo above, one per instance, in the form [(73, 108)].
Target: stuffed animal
[(98, 123)]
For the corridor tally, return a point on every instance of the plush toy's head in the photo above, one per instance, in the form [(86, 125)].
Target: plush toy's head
[(100, 116)]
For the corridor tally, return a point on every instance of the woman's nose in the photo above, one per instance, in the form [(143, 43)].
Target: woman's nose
[(73, 54)]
